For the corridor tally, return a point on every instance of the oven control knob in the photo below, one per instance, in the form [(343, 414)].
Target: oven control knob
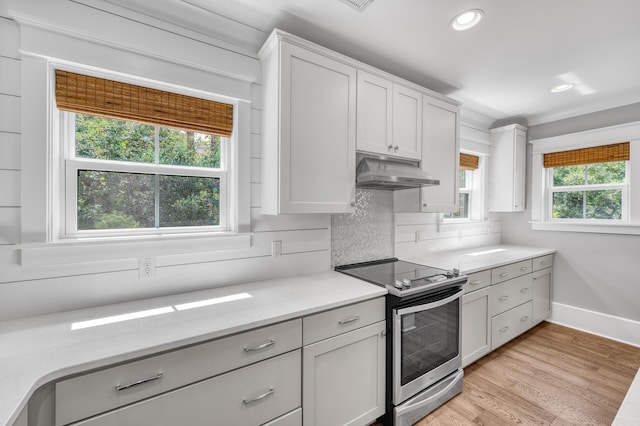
[(406, 283), (398, 284)]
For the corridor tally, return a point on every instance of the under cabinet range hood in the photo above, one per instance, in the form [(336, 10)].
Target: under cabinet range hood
[(391, 174)]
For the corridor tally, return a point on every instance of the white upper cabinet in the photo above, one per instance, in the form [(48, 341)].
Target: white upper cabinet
[(375, 100), (440, 158), (440, 154), (407, 122), (389, 118), (309, 129), (507, 168)]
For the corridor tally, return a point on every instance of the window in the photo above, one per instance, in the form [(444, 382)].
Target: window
[(583, 187), (465, 179), (470, 190), (585, 181), (140, 160)]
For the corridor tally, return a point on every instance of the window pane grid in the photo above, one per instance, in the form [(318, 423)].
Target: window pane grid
[(107, 195)]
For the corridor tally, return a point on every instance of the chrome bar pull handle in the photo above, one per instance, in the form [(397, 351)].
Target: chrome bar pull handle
[(524, 318), (502, 275), (262, 346), (524, 289), (524, 268), (474, 282), (348, 320), (139, 382), (503, 329), (247, 401), (503, 297)]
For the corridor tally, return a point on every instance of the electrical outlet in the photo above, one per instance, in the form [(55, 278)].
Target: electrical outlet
[(276, 248), (146, 267)]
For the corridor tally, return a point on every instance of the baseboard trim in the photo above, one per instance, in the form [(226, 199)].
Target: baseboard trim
[(609, 326)]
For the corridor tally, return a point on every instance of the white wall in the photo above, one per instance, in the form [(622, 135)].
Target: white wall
[(26, 291), (595, 272)]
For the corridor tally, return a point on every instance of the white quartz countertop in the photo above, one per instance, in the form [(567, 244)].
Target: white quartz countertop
[(38, 350), (479, 258)]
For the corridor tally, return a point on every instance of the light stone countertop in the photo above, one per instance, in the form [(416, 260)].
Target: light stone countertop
[(479, 258), (37, 350)]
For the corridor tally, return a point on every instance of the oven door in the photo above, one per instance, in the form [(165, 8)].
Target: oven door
[(426, 342)]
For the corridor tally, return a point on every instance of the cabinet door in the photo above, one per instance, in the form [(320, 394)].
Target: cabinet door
[(375, 100), (542, 281), (520, 161), (476, 326), (407, 122), (440, 155), (317, 133), (343, 378), (507, 169)]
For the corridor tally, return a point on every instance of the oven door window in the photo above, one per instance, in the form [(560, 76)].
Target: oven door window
[(429, 338)]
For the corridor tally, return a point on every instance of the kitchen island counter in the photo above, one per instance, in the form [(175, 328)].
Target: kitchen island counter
[(479, 258), (37, 350)]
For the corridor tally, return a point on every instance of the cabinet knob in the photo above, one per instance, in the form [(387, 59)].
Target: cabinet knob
[(424, 204), (395, 148), (353, 204), (390, 148)]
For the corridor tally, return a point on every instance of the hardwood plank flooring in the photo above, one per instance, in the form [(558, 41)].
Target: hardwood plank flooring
[(551, 375)]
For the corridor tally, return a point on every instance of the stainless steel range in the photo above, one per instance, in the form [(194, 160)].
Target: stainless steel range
[(424, 363)]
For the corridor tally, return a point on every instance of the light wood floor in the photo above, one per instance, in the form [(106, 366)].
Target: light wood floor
[(551, 375)]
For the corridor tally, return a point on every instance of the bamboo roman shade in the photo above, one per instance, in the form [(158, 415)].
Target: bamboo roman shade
[(97, 96), (468, 161), (596, 154)]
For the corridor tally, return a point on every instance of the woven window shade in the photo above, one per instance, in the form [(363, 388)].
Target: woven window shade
[(97, 96), (596, 154), (469, 162)]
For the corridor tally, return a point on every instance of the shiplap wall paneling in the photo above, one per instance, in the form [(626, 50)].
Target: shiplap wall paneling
[(9, 188), (10, 72), (9, 229), (9, 151), (9, 38)]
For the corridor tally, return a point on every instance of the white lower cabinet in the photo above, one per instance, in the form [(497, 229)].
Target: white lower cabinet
[(504, 302), (343, 379), (252, 395), (476, 328), (542, 294), (510, 324)]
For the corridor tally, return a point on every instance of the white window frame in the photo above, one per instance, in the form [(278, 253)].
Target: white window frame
[(71, 164), (476, 188), (43, 170), (541, 181)]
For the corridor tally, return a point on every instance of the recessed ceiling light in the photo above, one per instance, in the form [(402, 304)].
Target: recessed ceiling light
[(562, 88), (467, 19)]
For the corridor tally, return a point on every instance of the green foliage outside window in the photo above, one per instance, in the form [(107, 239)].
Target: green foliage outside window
[(118, 200), (596, 203)]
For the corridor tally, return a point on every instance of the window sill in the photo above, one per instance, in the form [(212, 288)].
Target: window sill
[(109, 249), (597, 228)]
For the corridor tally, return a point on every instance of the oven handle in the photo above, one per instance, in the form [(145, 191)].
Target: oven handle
[(425, 306)]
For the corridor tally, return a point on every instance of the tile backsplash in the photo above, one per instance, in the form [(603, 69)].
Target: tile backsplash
[(366, 234)]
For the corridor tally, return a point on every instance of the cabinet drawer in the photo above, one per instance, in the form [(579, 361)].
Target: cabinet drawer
[(543, 262), (510, 294), (337, 321), (510, 324), (293, 418), (477, 280), (249, 396), (90, 394), (511, 271)]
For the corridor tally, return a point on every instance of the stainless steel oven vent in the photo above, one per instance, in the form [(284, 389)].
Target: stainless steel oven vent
[(358, 5)]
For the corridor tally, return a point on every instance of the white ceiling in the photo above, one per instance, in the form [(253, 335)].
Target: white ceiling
[(503, 68)]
